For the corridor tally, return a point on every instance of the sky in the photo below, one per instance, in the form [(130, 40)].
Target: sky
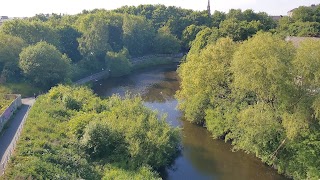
[(27, 8)]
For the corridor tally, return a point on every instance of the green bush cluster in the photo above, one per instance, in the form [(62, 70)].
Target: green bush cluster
[(70, 134)]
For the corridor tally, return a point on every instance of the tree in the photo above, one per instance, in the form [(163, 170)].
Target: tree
[(10, 48), (94, 41), (31, 32), (44, 65), (101, 141), (304, 29), (119, 63), (239, 30), (217, 18), (189, 34), (208, 83), (258, 131), (203, 38), (165, 42), (261, 66), (303, 14), (137, 35), (68, 42)]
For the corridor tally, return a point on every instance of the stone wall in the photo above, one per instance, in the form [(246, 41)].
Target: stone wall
[(6, 115)]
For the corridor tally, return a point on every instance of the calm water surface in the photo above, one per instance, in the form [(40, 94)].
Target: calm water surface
[(201, 157)]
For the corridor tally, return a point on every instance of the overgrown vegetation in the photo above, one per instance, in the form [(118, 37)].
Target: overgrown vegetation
[(70, 134), (4, 102), (261, 94)]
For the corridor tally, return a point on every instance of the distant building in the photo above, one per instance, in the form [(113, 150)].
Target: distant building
[(4, 17), (297, 40)]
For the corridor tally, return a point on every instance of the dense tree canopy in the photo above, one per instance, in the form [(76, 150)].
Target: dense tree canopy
[(262, 95), (43, 64), (165, 42), (137, 33), (304, 21), (31, 32)]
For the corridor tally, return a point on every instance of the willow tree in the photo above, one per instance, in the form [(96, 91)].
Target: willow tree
[(205, 78), (262, 65)]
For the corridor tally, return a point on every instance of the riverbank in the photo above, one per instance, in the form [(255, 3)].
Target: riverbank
[(137, 64), (202, 157)]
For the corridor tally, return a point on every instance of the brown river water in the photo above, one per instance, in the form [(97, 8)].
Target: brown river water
[(202, 157)]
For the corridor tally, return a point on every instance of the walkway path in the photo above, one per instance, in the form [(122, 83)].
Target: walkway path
[(8, 138), (93, 77)]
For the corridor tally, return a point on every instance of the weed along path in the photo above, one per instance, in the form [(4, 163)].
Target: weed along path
[(10, 135)]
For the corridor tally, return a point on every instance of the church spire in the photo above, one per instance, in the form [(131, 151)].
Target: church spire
[(208, 8)]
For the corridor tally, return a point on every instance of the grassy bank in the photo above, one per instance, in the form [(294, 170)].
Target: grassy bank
[(25, 89)]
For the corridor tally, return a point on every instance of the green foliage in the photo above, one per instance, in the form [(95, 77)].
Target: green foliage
[(94, 41), (63, 140), (113, 173), (119, 63), (189, 34), (257, 131), (4, 102), (239, 30), (103, 141), (31, 32), (203, 38), (303, 14), (44, 65), (304, 29), (68, 42), (204, 76), (217, 18), (10, 48), (304, 22), (307, 64), (137, 35), (165, 42), (262, 95), (150, 141), (261, 66), (25, 89)]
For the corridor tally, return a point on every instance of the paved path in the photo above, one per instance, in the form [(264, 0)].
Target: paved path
[(93, 77), (9, 133)]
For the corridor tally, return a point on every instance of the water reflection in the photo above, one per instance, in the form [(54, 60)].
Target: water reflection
[(202, 157)]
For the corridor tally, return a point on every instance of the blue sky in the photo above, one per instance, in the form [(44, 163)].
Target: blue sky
[(21, 8)]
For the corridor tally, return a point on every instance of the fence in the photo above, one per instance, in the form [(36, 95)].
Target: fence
[(6, 115), (6, 156)]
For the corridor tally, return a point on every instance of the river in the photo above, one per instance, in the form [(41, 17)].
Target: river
[(202, 157)]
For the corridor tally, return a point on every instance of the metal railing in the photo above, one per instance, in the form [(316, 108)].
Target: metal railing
[(6, 156)]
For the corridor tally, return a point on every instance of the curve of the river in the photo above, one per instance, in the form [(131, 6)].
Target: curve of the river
[(202, 157)]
